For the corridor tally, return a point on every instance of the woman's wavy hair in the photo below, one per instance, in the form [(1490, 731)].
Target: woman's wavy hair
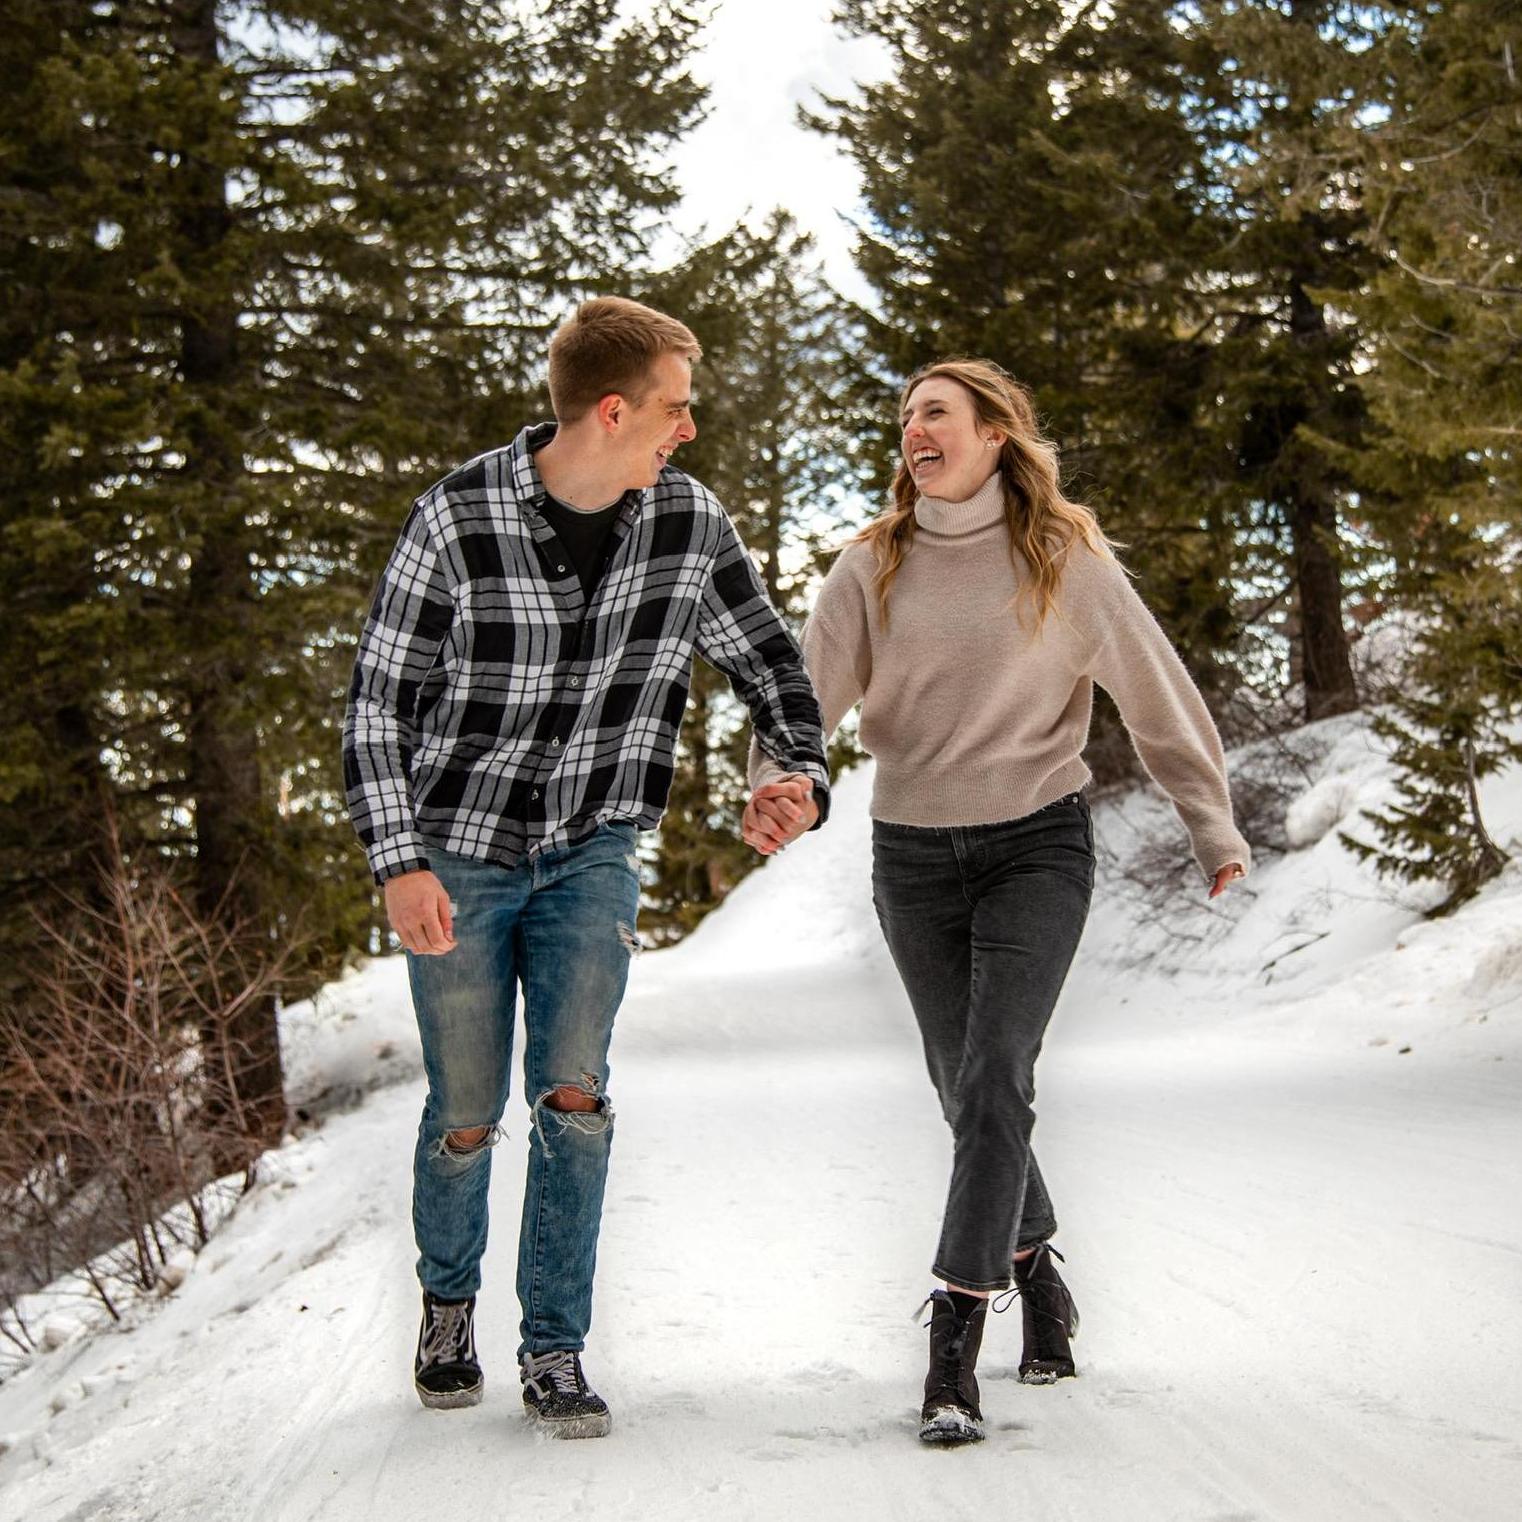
[(1043, 523)]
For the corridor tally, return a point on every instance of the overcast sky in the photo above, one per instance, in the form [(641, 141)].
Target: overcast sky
[(761, 60)]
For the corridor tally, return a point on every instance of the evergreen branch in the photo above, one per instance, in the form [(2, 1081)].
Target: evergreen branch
[(1415, 359), (1464, 147), (305, 71), (1452, 283), (415, 325)]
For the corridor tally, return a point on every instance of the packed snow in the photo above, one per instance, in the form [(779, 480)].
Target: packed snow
[(1282, 1132)]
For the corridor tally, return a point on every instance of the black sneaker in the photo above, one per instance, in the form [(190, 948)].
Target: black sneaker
[(951, 1414), (559, 1399), (1050, 1318), (445, 1371)]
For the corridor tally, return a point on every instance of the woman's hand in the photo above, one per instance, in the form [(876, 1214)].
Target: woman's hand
[(1228, 874), (779, 812)]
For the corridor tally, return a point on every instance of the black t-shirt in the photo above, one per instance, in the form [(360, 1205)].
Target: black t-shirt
[(584, 535)]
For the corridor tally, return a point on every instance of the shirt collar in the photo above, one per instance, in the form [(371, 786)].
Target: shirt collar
[(528, 485)]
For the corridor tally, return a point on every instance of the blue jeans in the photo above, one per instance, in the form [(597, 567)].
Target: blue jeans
[(561, 926), (982, 922)]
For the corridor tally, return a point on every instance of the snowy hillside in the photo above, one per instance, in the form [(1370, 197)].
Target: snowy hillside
[(1282, 1135)]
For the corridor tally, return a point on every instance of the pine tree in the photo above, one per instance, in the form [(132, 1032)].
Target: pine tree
[(1035, 195), (273, 267), (1276, 80), (1144, 211), (1456, 720), (1442, 171), (779, 443)]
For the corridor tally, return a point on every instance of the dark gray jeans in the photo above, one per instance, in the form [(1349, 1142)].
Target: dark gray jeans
[(982, 922)]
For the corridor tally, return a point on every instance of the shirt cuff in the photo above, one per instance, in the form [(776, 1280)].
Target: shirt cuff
[(820, 777), (396, 855)]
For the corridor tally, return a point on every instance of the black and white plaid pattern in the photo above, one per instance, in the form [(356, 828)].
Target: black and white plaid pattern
[(494, 713)]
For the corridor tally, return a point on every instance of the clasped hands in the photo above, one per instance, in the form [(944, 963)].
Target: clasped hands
[(779, 812)]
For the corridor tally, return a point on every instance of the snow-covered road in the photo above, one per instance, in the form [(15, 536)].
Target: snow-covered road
[(1297, 1250)]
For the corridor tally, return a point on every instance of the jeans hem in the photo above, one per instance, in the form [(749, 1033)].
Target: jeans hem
[(940, 1272), (1037, 1239), (529, 1350), (454, 1294)]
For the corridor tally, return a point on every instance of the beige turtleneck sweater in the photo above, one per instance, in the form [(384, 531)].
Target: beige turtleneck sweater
[(971, 715)]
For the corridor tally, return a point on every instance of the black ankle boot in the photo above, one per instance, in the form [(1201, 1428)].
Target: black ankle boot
[(951, 1413), (1050, 1318)]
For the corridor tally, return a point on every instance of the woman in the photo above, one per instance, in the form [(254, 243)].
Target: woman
[(970, 621)]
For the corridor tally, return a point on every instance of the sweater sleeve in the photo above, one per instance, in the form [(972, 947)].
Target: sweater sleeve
[(1171, 729), (837, 653)]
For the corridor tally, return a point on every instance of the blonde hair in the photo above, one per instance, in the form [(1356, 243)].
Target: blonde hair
[(1042, 523), (608, 345)]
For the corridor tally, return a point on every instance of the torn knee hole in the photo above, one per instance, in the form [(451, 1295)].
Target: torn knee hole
[(577, 1107), (629, 939), (469, 1140), (570, 1096)]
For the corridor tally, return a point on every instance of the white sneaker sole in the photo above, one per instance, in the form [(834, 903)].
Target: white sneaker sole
[(595, 1425)]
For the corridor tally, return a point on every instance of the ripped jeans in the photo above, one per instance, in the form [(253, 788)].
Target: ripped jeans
[(561, 926)]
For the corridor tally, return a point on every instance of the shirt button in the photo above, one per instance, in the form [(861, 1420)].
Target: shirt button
[(561, 569), (554, 744), (576, 681), (535, 793)]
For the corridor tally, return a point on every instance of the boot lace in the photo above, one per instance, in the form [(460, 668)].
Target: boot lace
[(1041, 1296), (446, 1338), (562, 1370), (948, 1361)]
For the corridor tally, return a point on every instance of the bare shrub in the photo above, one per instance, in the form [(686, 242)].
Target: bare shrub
[(115, 1126), (1154, 872)]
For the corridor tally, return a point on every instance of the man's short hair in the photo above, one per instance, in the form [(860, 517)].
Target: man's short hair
[(608, 345)]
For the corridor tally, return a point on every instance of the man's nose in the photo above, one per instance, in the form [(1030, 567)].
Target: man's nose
[(689, 431)]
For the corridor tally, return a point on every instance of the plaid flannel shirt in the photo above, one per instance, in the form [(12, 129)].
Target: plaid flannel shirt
[(494, 713)]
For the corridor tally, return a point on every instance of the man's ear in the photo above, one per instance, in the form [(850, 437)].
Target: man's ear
[(610, 411)]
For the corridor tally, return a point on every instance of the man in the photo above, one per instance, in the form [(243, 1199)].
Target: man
[(515, 705)]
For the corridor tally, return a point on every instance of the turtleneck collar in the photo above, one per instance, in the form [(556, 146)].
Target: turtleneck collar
[(981, 510)]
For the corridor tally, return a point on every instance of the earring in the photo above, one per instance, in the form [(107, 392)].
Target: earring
[(990, 443)]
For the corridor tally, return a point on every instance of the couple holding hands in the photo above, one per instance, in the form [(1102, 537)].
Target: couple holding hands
[(515, 705)]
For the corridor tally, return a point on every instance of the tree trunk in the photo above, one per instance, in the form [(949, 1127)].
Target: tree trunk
[(1312, 513), (771, 504), (1325, 662), (223, 744)]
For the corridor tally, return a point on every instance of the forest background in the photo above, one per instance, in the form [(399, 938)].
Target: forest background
[(269, 269)]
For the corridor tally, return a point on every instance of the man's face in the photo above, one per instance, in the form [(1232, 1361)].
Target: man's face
[(650, 432)]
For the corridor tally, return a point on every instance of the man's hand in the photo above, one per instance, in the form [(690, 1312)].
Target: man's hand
[(779, 812), (418, 908), (1228, 874)]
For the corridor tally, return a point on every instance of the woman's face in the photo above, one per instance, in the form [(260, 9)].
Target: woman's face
[(948, 453)]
